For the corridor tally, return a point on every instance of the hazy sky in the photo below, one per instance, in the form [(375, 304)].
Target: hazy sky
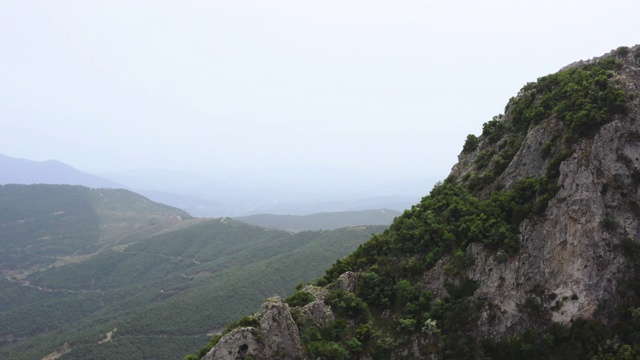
[(227, 88)]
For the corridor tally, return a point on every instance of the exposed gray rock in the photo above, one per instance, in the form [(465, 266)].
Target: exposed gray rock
[(348, 281), (275, 337), (318, 312), (319, 293), (568, 263), (434, 279), (236, 345)]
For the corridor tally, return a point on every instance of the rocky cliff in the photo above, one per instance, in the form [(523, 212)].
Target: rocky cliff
[(273, 335), (529, 249), (568, 263)]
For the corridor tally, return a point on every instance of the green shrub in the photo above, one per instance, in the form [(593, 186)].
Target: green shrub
[(484, 158), (553, 169), (324, 350), (622, 51), (470, 144), (546, 149), (405, 325), (247, 321), (464, 289), (610, 224), (348, 305), (375, 290), (299, 298), (494, 129), (501, 256)]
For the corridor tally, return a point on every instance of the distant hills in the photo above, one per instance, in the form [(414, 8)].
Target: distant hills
[(22, 171), (322, 221), (103, 273), (223, 196), (44, 225)]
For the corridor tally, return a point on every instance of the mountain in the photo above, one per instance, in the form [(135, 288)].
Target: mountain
[(21, 171), (322, 221), (47, 225), (530, 249), (322, 205), (102, 273), (194, 205), (299, 193), (221, 196)]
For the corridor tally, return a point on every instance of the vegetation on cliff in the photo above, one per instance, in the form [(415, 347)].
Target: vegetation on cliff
[(392, 315)]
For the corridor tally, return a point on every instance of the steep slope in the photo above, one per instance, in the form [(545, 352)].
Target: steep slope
[(529, 249)]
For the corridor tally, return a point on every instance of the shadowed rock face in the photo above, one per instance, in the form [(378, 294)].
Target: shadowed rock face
[(276, 336)]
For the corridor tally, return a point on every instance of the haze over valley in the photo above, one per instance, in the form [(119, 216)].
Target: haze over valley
[(210, 197)]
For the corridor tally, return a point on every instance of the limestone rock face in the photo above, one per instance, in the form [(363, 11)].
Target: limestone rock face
[(568, 263), (317, 311), (319, 293), (348, 281), (276, 336)]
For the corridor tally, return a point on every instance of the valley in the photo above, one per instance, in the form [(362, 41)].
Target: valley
[(78, 263)]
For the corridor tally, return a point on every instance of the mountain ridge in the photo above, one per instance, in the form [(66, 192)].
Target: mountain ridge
[(322, 221), (217, 197), (22, 171)]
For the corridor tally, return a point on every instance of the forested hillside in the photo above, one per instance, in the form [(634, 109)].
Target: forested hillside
[(43, 225), (109, 274)]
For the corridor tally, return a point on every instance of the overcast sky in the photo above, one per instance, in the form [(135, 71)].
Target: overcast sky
[(229, 88)]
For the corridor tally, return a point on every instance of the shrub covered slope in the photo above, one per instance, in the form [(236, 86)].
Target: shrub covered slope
[(528, 250)]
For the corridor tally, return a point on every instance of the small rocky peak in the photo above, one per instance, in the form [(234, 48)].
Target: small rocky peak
[(274, 335), (348, 281), (317, 311)]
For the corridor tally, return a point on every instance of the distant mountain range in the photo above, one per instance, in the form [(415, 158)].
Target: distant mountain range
[(207, 196), (322, 221), (21, 171), (216, 197)]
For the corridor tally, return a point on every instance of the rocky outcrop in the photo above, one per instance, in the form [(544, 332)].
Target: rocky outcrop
[(568, 263), (275, 337), (319, 293), (347, 281), (317, 311)]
